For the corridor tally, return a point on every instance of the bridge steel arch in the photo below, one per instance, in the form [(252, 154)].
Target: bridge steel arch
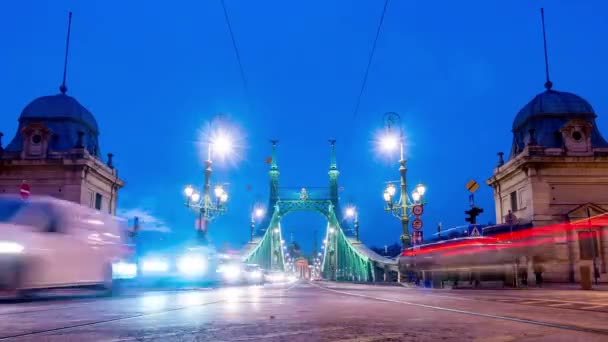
[(344, 258)]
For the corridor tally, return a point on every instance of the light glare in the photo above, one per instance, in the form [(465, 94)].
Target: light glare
[(416, 196), (195, 197), (350, 211), (188, 191), (389, 142)]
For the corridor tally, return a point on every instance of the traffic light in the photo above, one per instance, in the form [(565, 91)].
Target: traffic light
[(472, 214)]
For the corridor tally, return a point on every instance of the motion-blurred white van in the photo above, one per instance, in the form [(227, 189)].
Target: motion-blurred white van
[(48, 243)]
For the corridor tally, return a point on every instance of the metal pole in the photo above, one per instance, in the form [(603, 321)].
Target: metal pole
[(357, 226), (206, 194), (252, 225), (592, 237), (405, 237)]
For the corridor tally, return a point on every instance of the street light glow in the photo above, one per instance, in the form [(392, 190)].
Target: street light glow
[(421, 189), (350, 211), (195, 196), (222, 143), (416, 196), (387, 197), (389, 142), (391, 189), (224, 197), (331, 230), (276, 230), (188, 191), (219, 191), (259, 212)]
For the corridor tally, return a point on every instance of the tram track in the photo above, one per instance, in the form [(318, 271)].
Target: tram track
[(109, 320), (63, 303), (472, 313), (118, 319)]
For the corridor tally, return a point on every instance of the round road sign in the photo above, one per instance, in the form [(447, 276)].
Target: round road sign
[(417, 224), (24, 190), (417, 210)]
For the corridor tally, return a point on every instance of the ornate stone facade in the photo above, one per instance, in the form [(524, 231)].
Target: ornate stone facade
[(56, 152), (557, 172)]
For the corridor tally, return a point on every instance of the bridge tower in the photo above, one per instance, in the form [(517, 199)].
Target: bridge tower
[(333, 175), (274, 176)]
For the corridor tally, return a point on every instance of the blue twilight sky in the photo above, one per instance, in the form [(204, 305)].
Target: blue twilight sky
[(153, 73)]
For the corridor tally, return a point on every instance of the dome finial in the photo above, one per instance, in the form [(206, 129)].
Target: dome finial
[(548, 83), (63, 88)]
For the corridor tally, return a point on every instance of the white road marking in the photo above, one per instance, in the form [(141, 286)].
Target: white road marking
[(559, 304)]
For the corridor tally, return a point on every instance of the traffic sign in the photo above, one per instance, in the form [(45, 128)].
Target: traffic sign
[(417, 224), (417, 210), (417, 237), (472, 186), (474, 231), (24, 190)]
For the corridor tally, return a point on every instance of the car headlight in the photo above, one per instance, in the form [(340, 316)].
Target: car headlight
[(231, 272), (155, 265), (256, 274), (124, 270), (192, 264), (10, 247)]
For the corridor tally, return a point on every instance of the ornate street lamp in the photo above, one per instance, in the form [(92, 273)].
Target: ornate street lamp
[(257, 213), (207, 208), (400, 206)]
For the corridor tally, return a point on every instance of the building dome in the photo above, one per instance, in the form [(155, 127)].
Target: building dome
[(59, 107), (553, 103), (546, 114), (65, 117)]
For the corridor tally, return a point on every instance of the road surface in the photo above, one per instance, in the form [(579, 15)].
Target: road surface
[(313, 312)]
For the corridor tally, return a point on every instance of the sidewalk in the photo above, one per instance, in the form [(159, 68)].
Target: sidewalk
[(564, 286), (496, 285)]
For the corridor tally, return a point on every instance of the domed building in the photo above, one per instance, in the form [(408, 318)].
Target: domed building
[(56, 152), (556, 172)]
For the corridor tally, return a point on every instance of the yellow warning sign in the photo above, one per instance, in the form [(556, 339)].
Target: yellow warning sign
[(472, 186)]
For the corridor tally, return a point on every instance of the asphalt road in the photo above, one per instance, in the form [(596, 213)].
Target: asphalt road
[(313, 312)]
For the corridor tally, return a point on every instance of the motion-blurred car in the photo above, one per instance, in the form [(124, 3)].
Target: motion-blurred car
[(253, 274), (177, 266), (275, 277), (48, 243), (231, 272)]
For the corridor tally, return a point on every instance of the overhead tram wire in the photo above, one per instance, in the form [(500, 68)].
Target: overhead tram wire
[(369, 62), (238, 55)]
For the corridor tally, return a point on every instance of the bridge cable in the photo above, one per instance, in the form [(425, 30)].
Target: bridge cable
[(369, 61)]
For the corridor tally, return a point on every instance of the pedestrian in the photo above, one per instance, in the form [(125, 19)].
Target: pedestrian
[(538, 270), (523, 275), (596, 271)]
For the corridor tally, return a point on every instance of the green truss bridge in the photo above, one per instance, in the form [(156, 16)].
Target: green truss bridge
[(345, 258)]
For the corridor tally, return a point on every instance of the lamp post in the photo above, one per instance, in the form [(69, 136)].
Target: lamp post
[(257, 212), (207, 208), (354, 214), (400, 206)]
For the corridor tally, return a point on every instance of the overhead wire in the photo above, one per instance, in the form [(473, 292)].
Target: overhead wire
[(369, 61), (236, 50)]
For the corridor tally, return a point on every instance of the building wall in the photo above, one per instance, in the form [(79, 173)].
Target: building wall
[(551, 190), (68, 179)]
